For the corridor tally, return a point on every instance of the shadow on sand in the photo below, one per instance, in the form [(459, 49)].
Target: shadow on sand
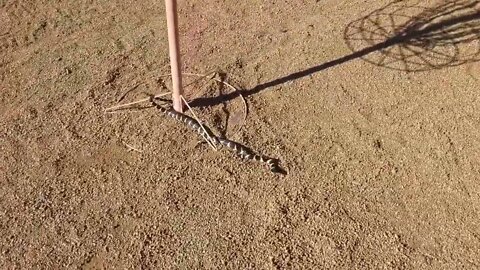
[(401, 36)]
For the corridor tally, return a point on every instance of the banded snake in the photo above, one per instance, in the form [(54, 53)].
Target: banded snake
[(240, 150)]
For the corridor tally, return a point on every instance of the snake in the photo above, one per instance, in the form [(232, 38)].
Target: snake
[(240, 150)]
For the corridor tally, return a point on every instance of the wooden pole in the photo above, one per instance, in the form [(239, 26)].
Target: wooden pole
[(174, 48)]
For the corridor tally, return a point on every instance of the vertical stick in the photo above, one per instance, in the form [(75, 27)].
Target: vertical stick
[(174, 48)]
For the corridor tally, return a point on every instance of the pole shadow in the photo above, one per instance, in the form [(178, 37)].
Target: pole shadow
[(402, 36)]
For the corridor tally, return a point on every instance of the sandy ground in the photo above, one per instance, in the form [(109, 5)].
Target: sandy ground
[(372, 107)]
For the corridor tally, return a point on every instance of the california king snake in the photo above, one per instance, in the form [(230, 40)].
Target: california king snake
[(206, 133)]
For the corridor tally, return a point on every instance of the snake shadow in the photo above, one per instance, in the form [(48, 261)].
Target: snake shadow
[(442, 36)]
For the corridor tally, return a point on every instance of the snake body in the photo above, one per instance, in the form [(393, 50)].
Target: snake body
[(240, 150)]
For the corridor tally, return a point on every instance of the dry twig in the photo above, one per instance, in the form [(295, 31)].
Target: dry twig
[(131, 147), (210, 140), (111, 109), (128, 91), (245, 106)]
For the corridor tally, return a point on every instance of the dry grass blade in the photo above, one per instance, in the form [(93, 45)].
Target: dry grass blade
[(209, 141), (128, 91), (131, 148), (112, 109), (245, 106)]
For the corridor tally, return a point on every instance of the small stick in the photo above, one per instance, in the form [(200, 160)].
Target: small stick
[(201, 77), (128, 91), (209, 141), (131, 147), (133, 103), (245, 106)]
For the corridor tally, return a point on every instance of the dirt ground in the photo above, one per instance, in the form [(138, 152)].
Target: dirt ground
[(372, 107)]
